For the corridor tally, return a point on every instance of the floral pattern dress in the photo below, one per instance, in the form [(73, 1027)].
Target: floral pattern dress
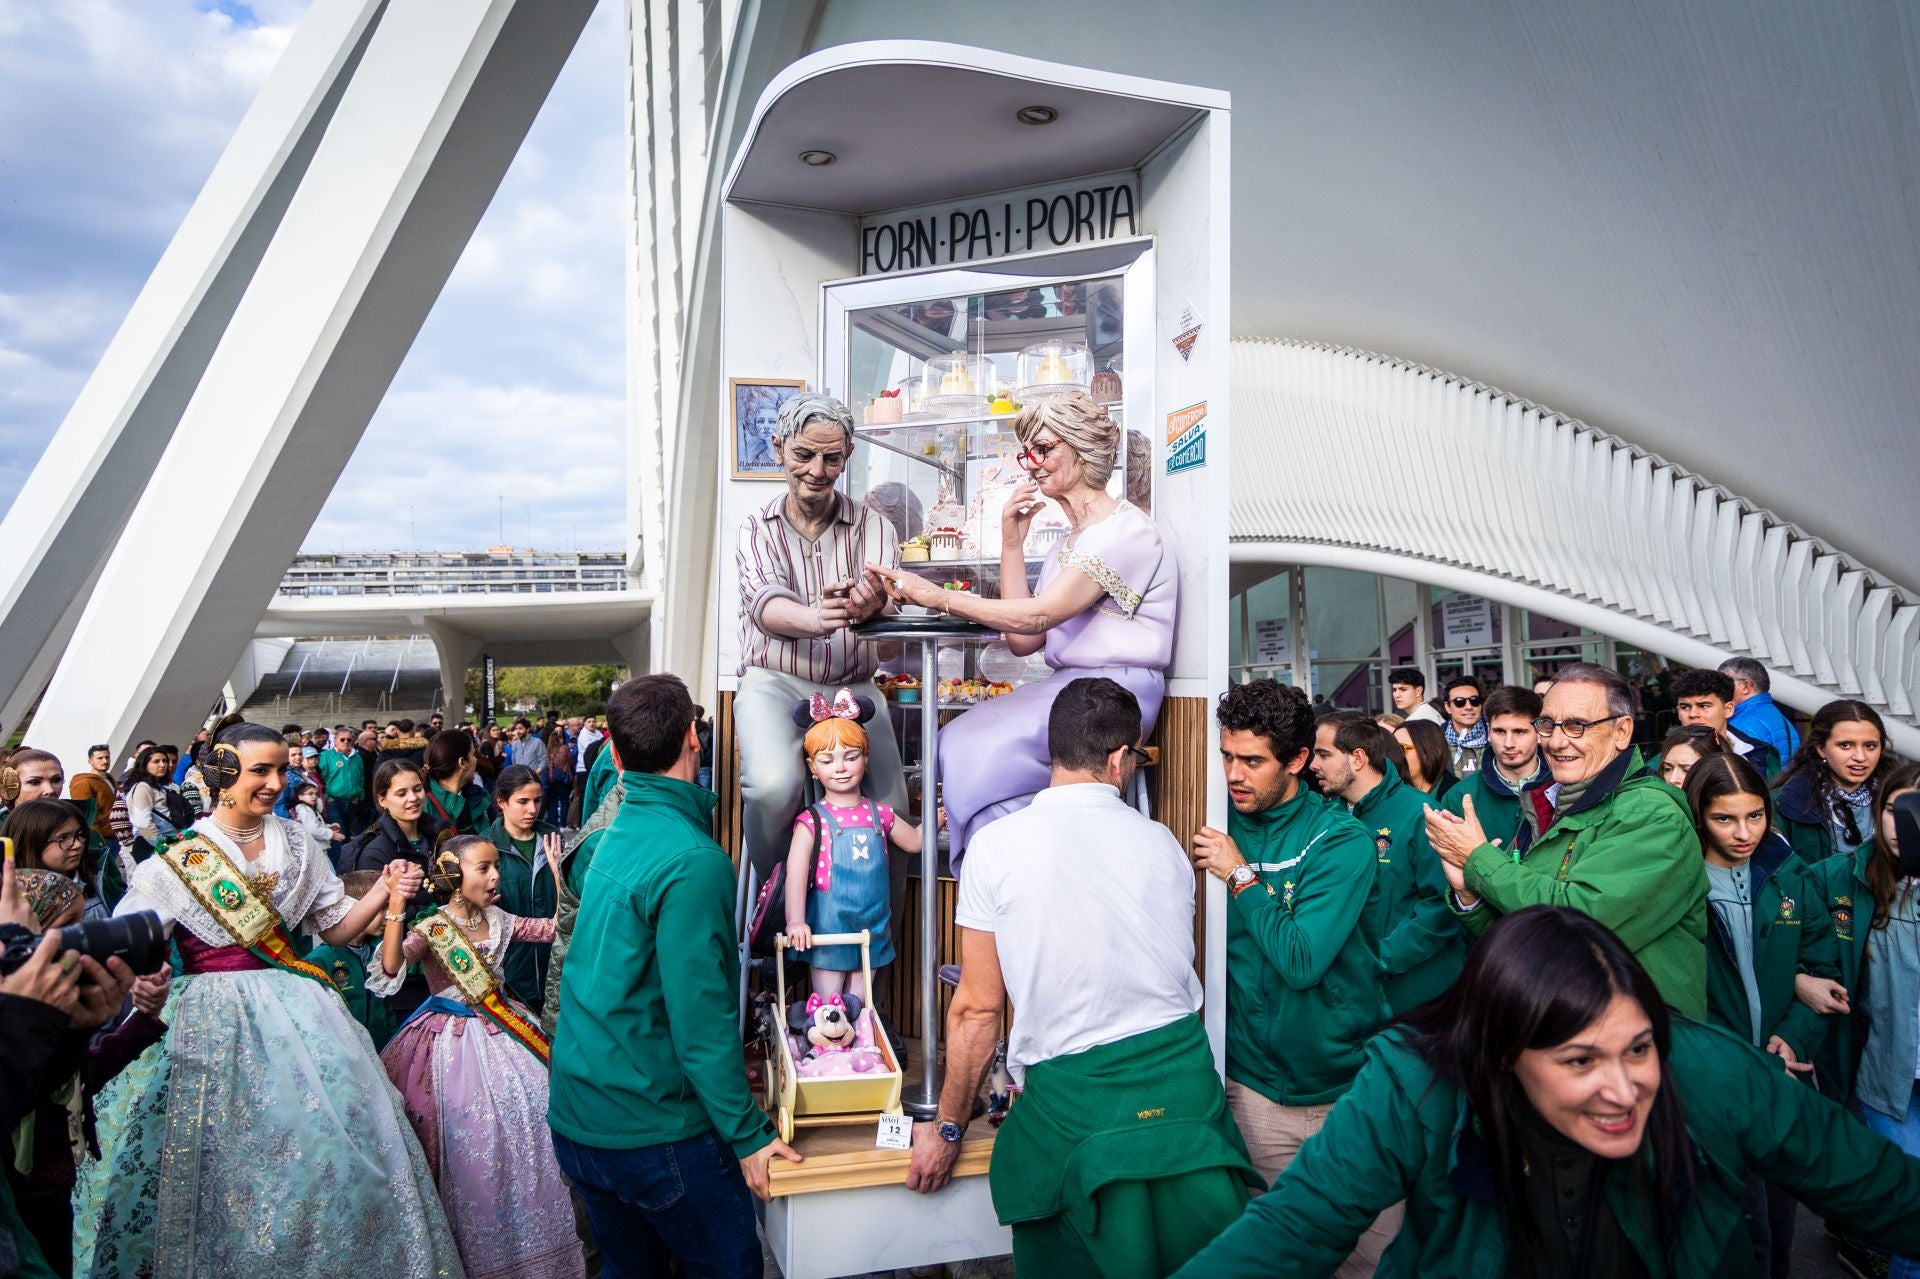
[(477, 1097), (261, 1136)]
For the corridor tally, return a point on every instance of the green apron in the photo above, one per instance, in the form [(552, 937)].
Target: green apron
[(1122, 1160)]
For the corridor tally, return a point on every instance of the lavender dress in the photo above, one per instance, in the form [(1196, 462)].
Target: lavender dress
[(994, 758), (477, 1098)]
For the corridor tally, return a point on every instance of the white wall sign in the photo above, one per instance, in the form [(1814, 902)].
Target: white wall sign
[(1051, 217), (1272, 644), (1466, 621)]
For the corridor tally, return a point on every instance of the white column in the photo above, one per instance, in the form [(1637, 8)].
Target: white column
[(432, 116), (62, 526)]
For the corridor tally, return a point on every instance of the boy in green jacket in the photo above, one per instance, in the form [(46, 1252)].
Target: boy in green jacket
[(1421, 944), (1511, 764), (346, 966), (1603, 839), (1304, 987), (652, 1120)]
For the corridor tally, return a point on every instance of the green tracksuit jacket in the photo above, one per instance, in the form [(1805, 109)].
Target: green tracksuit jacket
[(647, 1050), (1627, 855), (1304, 988), (1401, 1134), (1494, 802), (1842, 883), (526, 889), (1421, 944), (1792, 933)]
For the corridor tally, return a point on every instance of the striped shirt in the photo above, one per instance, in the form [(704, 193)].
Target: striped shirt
[(776, 561)]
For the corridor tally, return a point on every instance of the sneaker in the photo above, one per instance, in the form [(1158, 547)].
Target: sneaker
[(1859, 1260)]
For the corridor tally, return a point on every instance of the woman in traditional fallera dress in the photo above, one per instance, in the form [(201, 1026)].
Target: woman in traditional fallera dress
[(261, 1136), (472, 1065)]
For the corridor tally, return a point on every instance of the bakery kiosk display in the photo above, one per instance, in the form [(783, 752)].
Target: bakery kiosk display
[(1070, 233)]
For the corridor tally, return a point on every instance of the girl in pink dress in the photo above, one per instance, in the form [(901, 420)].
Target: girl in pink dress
[(471, 1067)]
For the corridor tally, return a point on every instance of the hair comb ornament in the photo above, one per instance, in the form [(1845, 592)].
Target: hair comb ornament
[(9, 785)]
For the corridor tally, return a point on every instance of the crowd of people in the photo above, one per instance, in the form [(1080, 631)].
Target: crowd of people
[(1504, 992)]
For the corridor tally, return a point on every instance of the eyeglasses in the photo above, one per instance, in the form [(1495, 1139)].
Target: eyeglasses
[(71, 839), (1575, 729), (1036, 454), (1463, 701), (1139, 756)]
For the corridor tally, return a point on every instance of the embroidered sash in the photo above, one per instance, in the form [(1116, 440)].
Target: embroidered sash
[(479, 986), (224, 892)]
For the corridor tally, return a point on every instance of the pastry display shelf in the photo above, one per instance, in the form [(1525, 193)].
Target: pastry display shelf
[(866, 429)]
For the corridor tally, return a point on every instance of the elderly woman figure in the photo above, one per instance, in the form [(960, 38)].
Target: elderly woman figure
[(1104, 605), (799, 562)]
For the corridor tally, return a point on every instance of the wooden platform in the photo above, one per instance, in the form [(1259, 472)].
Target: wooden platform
[(844, 1158)]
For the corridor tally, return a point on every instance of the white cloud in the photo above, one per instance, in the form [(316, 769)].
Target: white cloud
[(117, 110)]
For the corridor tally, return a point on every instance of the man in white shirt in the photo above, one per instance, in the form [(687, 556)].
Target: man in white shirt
[(1081, 910), (1409, 689)]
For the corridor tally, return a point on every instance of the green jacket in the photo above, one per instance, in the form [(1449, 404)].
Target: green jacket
[(1627, 855), (1421, 944), (600, 779), (1494, 802), (1792, 933), (526, 889), (1401, 1134), (576, 858), (465, 811), (1304, 989), (1145, 1109), (1842, 886), (344, 777), (347, 966), (647, 1049)]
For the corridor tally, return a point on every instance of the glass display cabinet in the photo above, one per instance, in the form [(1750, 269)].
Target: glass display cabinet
[(936, 367)]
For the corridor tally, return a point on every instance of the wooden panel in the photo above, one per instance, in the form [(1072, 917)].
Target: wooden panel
[(845, 1157), (1178, 787), (726, 777), (899, 984)]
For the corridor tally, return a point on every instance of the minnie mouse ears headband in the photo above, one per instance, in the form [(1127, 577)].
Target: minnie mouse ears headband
[(844, 705)]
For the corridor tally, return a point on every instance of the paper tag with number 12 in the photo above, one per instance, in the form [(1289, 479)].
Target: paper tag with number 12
[(896, 1133)]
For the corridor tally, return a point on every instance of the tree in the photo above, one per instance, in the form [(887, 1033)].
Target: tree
[(564, 690)]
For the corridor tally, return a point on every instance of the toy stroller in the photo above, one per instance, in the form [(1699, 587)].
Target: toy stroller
[(824, 1100)]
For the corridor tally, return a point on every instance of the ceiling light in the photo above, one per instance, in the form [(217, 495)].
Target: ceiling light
[(818, 159), (1036, 115)]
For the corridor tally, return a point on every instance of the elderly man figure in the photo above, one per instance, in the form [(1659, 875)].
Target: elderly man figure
[(801, 563), (1601, 838), (1121, 1157)]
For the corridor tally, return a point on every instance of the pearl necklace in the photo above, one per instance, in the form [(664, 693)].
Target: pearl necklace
[(242, 836)]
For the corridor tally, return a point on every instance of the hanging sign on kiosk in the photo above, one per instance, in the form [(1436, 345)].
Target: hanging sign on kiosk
[(1061, 215)]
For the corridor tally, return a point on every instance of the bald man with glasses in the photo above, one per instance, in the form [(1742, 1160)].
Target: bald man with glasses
[(1596, 835)]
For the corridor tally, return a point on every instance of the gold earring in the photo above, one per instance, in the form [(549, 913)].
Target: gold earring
[(226, 801)]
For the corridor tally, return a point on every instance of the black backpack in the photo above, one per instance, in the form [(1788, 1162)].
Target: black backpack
[(179, 814)]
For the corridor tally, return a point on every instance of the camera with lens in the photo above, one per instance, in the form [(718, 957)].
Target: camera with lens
[(139, 939)]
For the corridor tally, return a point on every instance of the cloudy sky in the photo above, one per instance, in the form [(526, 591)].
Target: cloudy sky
[(112, 113)]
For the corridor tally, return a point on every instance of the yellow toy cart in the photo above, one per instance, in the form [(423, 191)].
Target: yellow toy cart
[(828, 1100)]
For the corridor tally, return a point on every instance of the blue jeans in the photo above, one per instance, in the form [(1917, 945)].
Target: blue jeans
[(1904, 1133), (684, 1200)]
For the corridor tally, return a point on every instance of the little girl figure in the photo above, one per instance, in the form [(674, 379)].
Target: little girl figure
[(845, 889)]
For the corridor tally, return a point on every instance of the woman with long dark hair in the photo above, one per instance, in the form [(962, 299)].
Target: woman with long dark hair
[(1888, 990), (51, 834), (456, 799), (1823, 801), (1428, 762), (1547, 1116), (262, 1134), (405, 827), (1767, 925), (145, 789)]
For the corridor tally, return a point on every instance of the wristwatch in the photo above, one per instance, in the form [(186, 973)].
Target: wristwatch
[(951, 1132), (1240, 879)]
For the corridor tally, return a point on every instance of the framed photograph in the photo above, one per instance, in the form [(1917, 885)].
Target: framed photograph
[(756, 405)]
